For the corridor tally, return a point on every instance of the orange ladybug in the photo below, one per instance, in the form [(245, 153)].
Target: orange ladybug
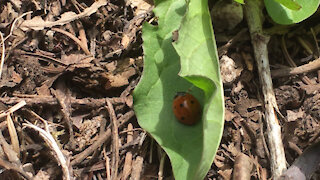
[(186, 108)]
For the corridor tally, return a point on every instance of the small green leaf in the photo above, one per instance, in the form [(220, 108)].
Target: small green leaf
[(191, 149), (283, 15), (290, 4), (239, 1)]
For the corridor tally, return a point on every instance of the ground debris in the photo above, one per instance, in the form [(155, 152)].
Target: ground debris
[(67, 59)]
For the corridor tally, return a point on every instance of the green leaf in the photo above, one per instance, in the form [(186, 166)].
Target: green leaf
[(290, 4), (283, 15), (191, 149), (239, 1)]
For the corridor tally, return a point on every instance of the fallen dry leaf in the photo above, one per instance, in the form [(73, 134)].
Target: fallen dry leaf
[(37, 23), (140, 6)]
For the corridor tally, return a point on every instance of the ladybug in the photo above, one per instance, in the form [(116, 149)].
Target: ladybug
[(186, 108)]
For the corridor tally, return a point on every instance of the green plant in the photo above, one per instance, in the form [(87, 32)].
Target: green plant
[(191, 64), (289, 11)]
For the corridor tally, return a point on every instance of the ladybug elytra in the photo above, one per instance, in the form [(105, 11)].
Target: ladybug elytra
[(186, 108)]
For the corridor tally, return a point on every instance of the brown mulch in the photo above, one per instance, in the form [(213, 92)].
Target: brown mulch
[(70, 69)]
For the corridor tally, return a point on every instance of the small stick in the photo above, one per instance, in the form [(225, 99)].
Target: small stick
[(43, 57), (50, 100), (64, 102), (290, 61), (128, 159), (103, 138), (7, 165), (13, 135), (13, 108), (107, 163), (131, 130), (259, 42), (162, 160), (2, 54), (75, 39), (224, 49), (137, 168), (311, 66), (115, 141), (82, 34), (14, 24)]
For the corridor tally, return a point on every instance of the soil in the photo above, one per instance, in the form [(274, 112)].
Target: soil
[(77, 78)]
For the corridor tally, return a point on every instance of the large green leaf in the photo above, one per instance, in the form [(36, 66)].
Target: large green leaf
[(191, 149), (283, 15)]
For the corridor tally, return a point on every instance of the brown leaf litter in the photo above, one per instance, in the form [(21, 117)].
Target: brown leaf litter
[(69, 71)]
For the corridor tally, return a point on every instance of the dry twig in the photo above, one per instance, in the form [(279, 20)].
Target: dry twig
[(259, 41), (2, 54), (64, 101), (11, 127), (49, 100), (161, 165), (105, 137), (290, 61), (311, 66), (107, 159), (84, 47), (82, 34), (14, 108), (8, 165), (115, 141), (137, 168), (128, 159), (14, 24), (224, 49)]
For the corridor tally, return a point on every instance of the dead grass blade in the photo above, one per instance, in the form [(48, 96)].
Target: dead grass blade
[(45, 134), (13, 135)]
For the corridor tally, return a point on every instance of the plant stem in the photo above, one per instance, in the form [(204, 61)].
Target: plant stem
[(253, 10)]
